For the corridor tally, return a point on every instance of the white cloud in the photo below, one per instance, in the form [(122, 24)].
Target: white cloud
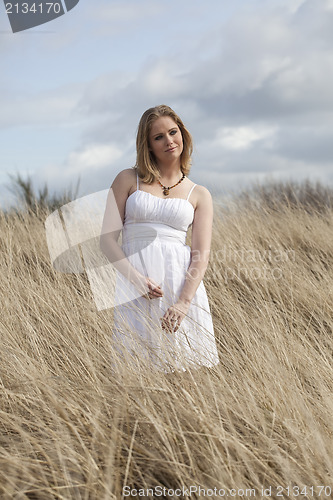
[(92, 165), (240, 138), (164, 77), (91, 158)]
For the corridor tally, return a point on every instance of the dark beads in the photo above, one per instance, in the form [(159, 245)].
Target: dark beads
[(167, 189)]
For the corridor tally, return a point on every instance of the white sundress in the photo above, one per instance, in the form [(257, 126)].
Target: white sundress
[(153, 240)]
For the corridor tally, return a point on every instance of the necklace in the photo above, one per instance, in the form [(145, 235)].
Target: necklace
[(167, 189)]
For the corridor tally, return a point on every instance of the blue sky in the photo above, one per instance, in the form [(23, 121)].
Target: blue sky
[(251, 79)]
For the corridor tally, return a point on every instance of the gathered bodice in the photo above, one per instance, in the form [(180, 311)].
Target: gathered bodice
[(148, 208), (147, 214)]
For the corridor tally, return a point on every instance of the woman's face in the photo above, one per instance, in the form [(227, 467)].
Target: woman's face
[(165, 140)]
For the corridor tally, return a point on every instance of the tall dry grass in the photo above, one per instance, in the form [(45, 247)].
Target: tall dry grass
[(73, 427)]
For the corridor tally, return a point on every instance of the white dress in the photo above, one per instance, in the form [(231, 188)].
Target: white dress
[(153, 240)]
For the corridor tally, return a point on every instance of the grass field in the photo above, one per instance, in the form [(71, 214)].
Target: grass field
[(73, 429)]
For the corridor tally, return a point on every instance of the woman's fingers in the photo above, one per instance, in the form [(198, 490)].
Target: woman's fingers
[(154, 290), (174, 316), (170, 323)]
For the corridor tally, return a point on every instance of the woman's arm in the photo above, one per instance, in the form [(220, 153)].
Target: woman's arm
[(200, 245), (112, 225), (200, 250)]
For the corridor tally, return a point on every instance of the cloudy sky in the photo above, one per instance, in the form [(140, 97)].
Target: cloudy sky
[(251, 79)]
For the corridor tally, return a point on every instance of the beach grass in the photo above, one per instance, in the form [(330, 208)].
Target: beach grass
[(73, 427)]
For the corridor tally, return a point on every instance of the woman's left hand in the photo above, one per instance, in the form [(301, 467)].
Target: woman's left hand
[(174, 316)]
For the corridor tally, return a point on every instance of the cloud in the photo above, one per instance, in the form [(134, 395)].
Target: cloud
[(254, 88), (263, 68), (246, 102), (93, 157), (87, 161), (241, 138)]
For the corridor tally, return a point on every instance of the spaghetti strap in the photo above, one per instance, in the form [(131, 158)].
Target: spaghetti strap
[(189, 194), (137, 182)]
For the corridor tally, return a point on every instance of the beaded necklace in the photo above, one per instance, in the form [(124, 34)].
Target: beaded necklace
[(167, 189)]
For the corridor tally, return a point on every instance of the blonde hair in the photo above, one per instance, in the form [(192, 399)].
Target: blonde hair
[(146, 165)]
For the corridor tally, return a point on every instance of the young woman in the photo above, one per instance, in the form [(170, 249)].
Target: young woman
[(161, 314)]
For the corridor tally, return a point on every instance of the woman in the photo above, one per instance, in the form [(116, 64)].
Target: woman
[(162, 313)]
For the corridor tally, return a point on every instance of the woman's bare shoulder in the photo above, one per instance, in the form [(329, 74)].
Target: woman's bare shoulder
[(201, 195), (124, 179)]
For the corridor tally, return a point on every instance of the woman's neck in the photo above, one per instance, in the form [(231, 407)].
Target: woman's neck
[(170, 173)]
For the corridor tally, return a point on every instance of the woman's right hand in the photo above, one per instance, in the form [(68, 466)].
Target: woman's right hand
[(154, 290)]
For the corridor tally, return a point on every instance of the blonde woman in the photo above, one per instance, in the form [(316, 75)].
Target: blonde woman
[(162, 315)]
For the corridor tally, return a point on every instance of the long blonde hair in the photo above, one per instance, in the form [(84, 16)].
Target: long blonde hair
[(146, 165)]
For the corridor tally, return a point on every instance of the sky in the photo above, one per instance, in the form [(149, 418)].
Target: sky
[(251, 79)]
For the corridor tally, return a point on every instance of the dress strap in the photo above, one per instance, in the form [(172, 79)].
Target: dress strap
[(137, 182), (189, 194)]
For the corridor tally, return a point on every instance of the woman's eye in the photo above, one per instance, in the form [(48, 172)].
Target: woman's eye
[(173, 132), (158, 137)]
